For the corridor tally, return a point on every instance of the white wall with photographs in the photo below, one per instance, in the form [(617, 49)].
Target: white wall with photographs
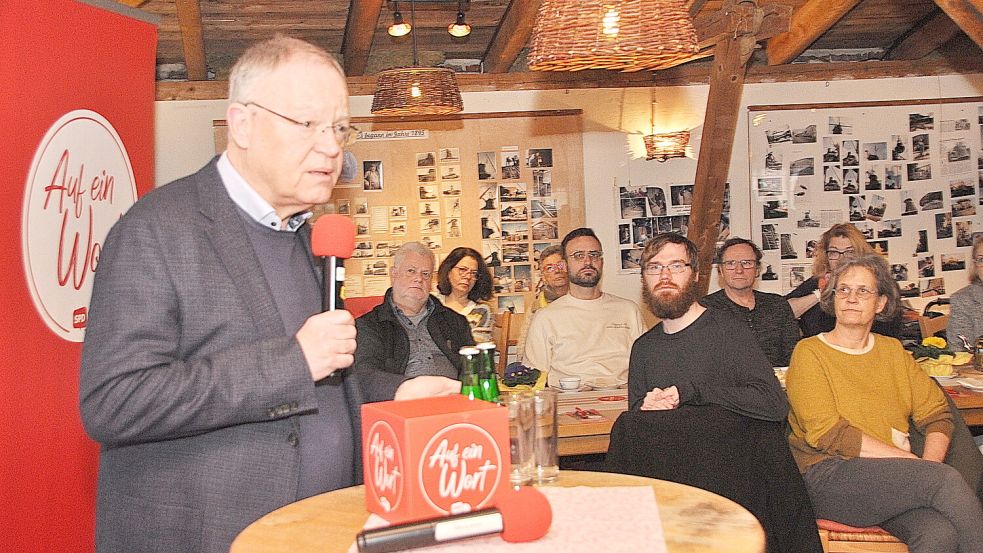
[(910, 177)]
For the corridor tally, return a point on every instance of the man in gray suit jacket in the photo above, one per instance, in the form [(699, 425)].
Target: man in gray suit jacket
[(208, 376)]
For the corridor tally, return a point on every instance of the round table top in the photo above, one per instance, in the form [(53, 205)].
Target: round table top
[(693, 520)]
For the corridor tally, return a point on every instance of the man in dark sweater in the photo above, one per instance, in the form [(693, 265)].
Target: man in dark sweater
[(768, 316), (411, 333)]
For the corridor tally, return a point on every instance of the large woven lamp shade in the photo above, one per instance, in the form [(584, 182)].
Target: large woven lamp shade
[(417, 91), (622, 35)]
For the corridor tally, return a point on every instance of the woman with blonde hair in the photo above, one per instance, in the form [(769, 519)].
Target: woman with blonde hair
[(966, 318), (841, 241)]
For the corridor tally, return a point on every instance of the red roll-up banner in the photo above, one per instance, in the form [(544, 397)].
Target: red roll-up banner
[(77, 143)]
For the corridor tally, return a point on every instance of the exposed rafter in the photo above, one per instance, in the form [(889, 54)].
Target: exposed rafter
[(968, 14), (192, 38), (363, 17), (512, 35), (930, 33), (811, 20)]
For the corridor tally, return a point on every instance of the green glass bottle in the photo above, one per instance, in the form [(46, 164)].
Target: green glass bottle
[(487, 378), (470, 386)]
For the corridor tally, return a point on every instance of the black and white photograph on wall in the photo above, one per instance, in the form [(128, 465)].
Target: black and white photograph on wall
[(932, 287), (931, 200), (397, 228), (880, 247), (515, 232), (450, 188), (769, 273), (876, 207), (450, 172), (807, 220), (723, 232), (426, 174), (361, 206), (922, 245), (921, 147), (362, 250), (961, 187), (681, 197), (502, 279), (831, 178), (953, 262), (491, 252), (770, 187), (487, 166), (804, 135), (429, 225), (858, 208), (397, 211), (510, 165), (427, 192), (632, 208), (515, 211), (426, 159), (908, 204), (512, 192), (909, 289), (773, 163), (642, 231), (803, 166), (851, 181), (361, 226), (452, 206), (892, 177), (875, 151), (542, 182), (899, 149), (656, 198), (943, 225), (429, 209), (921, 122), (487, 197), (964, 233), (344, 207), (840, 125), (954, 125), (523, 278), (515, 252), (631, 259), (515, 304), (372, 175), (432, 241), (778, 135), (544, 208), (544, 230), (831, 150), (981, 185), (874, 179), (450, 155), (890, 228), (851, 156), (866, 230), (797, 274), (490, 229), (963, 207), (787, 249), (811, 249), (624, 234), (769, 237), (539, 157), (376, 268), (899, 271), (955, 156), (919, 171)]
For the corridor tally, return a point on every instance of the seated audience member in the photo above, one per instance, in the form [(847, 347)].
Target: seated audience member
[(852, 393), (410, 332), (464, 280), (767, 315), (706, 408), (553, 283), (966, 318), (840, 241), (586, 333)]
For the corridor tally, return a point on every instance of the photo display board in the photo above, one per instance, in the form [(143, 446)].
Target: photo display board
[(908, 174)]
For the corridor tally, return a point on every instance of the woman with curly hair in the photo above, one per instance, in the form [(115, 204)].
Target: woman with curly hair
[(465, 284)]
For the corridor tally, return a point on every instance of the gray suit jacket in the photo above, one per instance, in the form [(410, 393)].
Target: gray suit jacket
[(189, 380)]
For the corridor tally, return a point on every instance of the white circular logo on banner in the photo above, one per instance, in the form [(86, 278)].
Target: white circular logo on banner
[(79, 185)]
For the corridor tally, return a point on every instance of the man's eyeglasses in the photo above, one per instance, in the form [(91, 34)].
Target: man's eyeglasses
[(863, 293), (594, 255), (732, 264), (344, 133), (465, 272), (675, 268), (978, 260), (555, 268), (836, 254), (413, 272)]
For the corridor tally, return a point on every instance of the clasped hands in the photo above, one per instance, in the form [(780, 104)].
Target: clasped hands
[(661, 399)]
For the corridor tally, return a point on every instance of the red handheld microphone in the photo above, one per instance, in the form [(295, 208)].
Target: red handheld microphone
[(333, 240), (520, 515)]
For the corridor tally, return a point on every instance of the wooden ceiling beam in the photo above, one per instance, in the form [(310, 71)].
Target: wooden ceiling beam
[(512, 35), (809, 22), (192, 38), (924, 38), (720, 25), (363, 17), (694, 6), (968, 14)]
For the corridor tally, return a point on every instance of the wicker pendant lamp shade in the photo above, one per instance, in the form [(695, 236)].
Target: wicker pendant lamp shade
[(621, 35), (667, 145), (417, 91)]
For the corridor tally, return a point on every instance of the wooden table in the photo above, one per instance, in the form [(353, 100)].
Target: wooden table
[(969, 402), (580, 437), (693, 520)]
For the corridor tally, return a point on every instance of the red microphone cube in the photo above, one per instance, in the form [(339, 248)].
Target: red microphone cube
[(433, 457)]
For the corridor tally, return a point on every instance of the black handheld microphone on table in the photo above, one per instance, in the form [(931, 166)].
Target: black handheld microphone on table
[(333, 240), (520, 515)]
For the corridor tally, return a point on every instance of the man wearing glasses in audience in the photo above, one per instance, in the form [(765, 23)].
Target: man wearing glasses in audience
[(411, 333), (553, 284), (586, 333), (769, 316)]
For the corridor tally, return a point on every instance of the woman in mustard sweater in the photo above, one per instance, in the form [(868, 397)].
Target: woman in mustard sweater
[(851, 394)]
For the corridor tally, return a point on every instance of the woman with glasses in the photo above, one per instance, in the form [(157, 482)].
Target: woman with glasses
[(465, 283), (852, 396), (966, 318), (836, 244)]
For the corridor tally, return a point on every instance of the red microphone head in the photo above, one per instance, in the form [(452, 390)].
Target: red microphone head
[(526, 514), (333, 235)]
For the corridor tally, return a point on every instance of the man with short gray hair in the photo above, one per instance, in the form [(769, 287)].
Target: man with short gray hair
[(411, 333)]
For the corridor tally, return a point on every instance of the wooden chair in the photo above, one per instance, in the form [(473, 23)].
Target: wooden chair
[(841, 538), (930, 325), (502, 334)]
